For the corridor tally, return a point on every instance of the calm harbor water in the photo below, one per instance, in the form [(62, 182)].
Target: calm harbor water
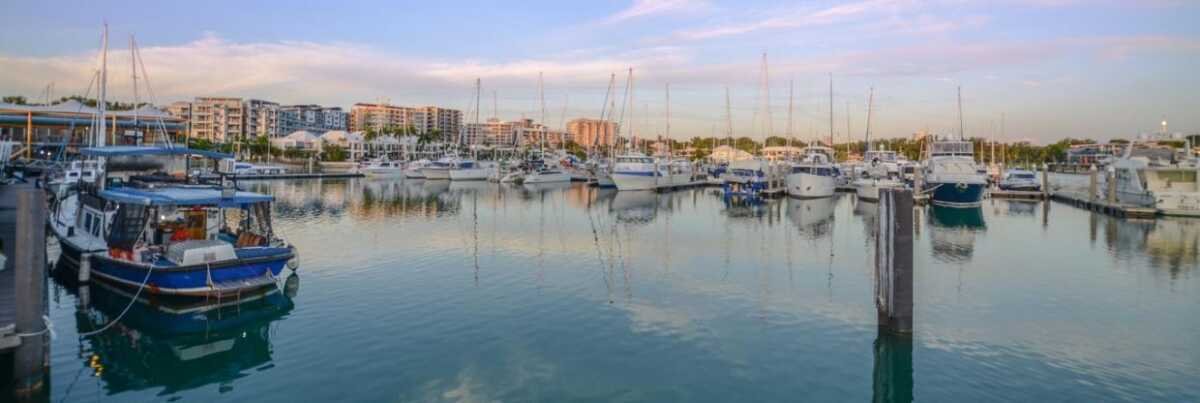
[(413, 291)]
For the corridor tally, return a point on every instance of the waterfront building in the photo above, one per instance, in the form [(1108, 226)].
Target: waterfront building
[(351, 142), (782, 153), (69, 123), (217, 119), (726, 153), (302, 140), (262, 118), (311, 117), (426, 119), (593, 132)]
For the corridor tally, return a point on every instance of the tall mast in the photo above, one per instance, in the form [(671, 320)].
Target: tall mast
[(542, 102), (961, 134), (668, 117), (632, 125), (478, 89), (831, 109), (133, 64), (765, 93), (791, 95), (870, 102), (728, 118), (848, 131), (101, 106)]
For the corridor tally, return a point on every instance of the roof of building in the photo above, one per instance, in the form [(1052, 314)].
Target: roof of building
[(342, 135)]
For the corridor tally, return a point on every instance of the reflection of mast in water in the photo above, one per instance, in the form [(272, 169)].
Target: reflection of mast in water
[(605, 272), (475, 233)]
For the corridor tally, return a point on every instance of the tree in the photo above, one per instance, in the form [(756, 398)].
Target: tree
[(333, 153), (775, 141), (15, 99)]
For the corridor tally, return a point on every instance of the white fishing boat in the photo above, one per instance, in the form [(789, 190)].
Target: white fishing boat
[(746, 178), (1171, 188), (415, 169), (815, 176), (381, 168), (547, 174)]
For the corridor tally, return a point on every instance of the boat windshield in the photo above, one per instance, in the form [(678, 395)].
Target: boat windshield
[(952, 148), (635, 160)]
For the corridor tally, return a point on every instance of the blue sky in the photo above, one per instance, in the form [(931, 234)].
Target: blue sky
[(1053, 68)]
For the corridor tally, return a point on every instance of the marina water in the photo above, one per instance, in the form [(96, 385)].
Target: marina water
[(415, 291)]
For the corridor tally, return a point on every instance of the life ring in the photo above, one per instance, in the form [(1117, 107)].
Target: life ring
[(961, 186)]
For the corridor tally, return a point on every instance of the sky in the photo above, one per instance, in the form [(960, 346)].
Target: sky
[(1036, 70)]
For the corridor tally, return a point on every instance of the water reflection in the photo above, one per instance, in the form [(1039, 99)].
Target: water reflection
[(893, 375), (814, 217), (175, 344), (953, 230), (1169, 244), (634, 207)]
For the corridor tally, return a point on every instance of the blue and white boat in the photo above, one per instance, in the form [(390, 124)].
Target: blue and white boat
[(746, 178), (636, 171), (173, 238), (815, 175), (952, 179)]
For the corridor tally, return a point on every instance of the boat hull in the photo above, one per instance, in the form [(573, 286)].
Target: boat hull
[(231, 277), (957, 194), (414, 173), (436, 173), (546, 178), (382, 172), (809, 186), (868, 189), (647, 181), (469, 174)]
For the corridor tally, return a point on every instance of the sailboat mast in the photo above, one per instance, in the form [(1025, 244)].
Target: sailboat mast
[(831, 109), (961, 134), (478, 89), (632, 125), (542, 102), (791, 97), (102, 106), (133, 65), (669, 150), (870, 103)]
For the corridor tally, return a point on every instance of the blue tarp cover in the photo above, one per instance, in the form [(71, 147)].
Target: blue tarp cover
[(120, 151), (181, 196)]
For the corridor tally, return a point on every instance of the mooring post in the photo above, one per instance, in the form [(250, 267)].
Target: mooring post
[(1093, 192), (1110, 181), (29, 264), (1046, 180), (894, 260)]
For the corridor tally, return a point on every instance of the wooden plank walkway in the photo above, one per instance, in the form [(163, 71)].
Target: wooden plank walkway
[(1017, 194)]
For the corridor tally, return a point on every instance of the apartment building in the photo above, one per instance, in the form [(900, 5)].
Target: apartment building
[(593, 132), (262, 118), (314, 118), (364, 116), (217, 119)]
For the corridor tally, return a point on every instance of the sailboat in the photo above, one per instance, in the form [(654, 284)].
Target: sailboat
[(637, 171), (541, 172), (952, 177), (470, 169), (880, 169)]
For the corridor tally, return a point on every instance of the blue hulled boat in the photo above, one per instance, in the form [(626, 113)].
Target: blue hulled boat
[(952, 178), (172, 237)]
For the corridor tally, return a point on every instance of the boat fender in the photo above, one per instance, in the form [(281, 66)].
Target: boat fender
[(961, 186)]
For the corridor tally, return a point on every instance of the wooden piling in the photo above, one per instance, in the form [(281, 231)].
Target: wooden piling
[(894, 260), (1093, 188), (29, 360), (893, 375), (1046, 180), (1110, 181)]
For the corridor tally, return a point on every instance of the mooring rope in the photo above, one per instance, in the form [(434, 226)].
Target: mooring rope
[(49, 327), (124, 311)]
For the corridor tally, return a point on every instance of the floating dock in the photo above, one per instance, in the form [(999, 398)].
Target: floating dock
[(1017, 194), (1079, 199), (317, 175)]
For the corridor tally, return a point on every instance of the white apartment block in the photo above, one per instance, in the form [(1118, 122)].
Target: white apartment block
[(262, 118)]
